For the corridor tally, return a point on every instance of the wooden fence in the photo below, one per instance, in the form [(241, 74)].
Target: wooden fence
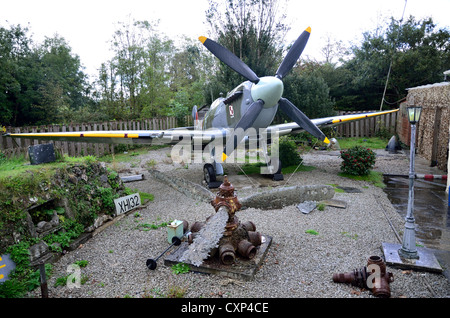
[(367, 127), (16, 146)]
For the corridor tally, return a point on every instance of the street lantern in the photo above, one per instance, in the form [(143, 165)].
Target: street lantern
[(409, 249), (414, 114)]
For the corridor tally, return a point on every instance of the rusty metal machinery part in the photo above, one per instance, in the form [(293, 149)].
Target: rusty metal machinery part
[(226, 197), (246, 249), (238, 238), (382, 289), (379, 284), (227, 253)]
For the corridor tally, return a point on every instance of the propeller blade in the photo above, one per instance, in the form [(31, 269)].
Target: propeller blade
[(301, 119), (293, 54), (244, 123), (229, 59)]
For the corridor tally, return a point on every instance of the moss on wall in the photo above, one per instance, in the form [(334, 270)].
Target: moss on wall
[(78, 192)]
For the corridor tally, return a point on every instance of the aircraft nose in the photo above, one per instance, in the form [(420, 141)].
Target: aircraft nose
[(269, 89)]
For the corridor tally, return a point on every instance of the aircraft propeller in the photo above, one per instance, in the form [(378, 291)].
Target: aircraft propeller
[(255, 109)]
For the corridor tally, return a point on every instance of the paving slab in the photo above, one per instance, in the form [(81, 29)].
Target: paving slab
[(426, 261)]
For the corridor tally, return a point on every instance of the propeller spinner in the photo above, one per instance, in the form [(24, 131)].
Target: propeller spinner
[(267, 91)]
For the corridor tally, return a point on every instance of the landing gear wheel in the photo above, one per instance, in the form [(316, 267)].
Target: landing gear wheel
[(209, 173)]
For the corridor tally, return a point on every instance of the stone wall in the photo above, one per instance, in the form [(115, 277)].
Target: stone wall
[(433, 128), (80, 192)]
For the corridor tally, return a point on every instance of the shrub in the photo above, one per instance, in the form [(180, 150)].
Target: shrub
[(357, 161), (288, 153)]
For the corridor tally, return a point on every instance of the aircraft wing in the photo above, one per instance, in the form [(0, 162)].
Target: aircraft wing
[(175, 135), (292, 128), (169, 136)]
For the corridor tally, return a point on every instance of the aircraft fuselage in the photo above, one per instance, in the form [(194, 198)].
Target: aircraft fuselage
[(225, 112)]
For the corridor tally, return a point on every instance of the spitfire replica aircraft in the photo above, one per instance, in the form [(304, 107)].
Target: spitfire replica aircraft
[(245, 114)]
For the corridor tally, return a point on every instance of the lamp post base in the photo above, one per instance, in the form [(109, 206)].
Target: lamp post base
[(426, 261), (407, 254)]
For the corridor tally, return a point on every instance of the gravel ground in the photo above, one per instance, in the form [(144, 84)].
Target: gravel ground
[(298, 264)]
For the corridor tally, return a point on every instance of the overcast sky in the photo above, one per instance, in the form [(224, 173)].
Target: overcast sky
[(88, 25)]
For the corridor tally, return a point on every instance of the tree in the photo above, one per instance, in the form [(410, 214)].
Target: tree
[(307, 90), (415, 51), (134, 83), (63, 86), (14, 48), (333, 49), (253, 30), (39, 84), (188, 75)]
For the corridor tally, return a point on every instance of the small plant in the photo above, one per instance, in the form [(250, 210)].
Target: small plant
[(62, 281), (352, 236), (176, 292), (151, 164), (288, 154), (313, 232), (153, 226), (82, 263), (357, 161), (180, 268), (321, 206)]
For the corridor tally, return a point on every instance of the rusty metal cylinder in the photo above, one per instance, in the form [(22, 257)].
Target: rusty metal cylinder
[(254, 237), (379, 285), (227, 254), (246, 249), (185, 226), (356, 278), (383, 290), (376, 260), (373, 277), (249, 226), (197, 226), (348, 277)]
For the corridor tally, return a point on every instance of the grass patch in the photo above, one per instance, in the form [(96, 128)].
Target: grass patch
[(12, 167), (125, 155), (373, 142), (374, 177), (255, 168), (336, 189)]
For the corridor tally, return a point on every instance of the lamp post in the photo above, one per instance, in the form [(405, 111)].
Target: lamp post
[(409, 249)]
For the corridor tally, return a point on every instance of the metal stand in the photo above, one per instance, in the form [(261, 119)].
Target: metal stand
[(409, 249), (408, 255), (151, 263)]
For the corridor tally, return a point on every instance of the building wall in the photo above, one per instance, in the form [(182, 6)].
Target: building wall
[(403, 126), (433, 128)]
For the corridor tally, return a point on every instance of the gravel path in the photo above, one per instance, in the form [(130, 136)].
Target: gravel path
[(298, 264)]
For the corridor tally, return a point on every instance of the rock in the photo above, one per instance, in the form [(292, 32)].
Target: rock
[(72, 179), (39, 253), (55, 219), (285, 196), (335, 203), (307, 206), (99, 222), (30, 225), (43, 226)]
